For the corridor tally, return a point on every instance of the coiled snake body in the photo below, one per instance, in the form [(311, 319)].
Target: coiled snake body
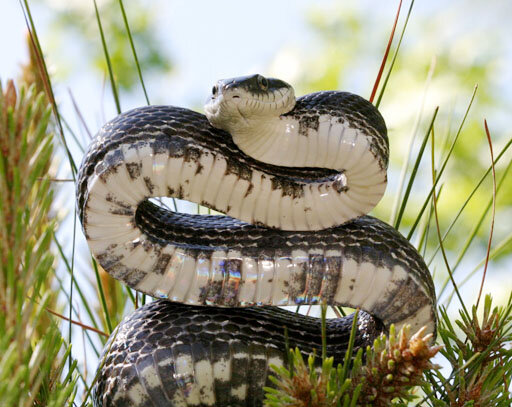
[(296, 178)]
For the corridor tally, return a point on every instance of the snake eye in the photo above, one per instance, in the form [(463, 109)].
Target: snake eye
[(262, 81), (214, 90)]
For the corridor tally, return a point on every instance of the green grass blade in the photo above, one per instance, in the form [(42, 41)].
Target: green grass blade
[(128, 31), (73, 246), (436, 217), (415, 170), (476, 228), (482, 179), (102, 296), (79, 290), (412, 139), (132, 296), (73, 135), (424, 231), (324, 331), (443, 166), (493, 215), (107, 59), (350, 348)]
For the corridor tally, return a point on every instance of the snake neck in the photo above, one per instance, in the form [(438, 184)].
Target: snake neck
[(267, 140), (287, 142), (318, 141)]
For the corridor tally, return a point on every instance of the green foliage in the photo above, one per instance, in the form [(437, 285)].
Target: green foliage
[(393, 367), (481, 363), (299, 385), (390, 370), (32, 369), (384, 376), (304, 386), (79, 18), (32, 350)]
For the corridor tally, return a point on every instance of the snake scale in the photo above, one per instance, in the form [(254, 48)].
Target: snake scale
[(295, 178)]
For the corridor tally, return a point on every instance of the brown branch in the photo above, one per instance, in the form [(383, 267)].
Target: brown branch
[(79, 114), (55, 179), (90, 328)]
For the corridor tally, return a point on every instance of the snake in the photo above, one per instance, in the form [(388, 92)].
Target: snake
[(293, 180)]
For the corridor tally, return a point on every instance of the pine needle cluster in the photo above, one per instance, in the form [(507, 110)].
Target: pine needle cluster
[(32, 350), (388, 371), (480, 358), (398, 368), (393, 367), (303, 386)]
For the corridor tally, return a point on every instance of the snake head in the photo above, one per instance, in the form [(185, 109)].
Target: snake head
[(242, 102)]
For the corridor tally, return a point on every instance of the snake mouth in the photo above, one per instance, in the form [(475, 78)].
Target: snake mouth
[(222, 108), (212, 108)]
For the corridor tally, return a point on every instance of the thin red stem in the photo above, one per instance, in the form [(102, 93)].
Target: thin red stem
[(385, 58), (488, 134), (90, 328)]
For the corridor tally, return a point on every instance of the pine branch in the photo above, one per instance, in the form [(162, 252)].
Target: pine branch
[(392, 367), (32, 350)]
